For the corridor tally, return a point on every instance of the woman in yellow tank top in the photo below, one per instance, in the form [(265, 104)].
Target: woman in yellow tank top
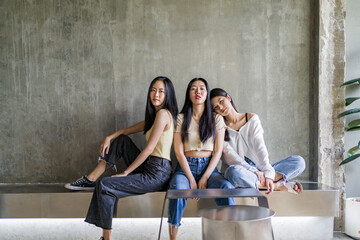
[(148, 170), (198, 144)]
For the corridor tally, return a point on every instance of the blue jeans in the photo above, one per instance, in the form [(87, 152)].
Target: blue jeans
[(290, 167), (179, 181)]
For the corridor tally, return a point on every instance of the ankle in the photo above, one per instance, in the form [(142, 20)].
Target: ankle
[(173, 232), (279, 186), (106, 234), (91, 178)]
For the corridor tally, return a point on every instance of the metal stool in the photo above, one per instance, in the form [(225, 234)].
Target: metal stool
[(214, 193)]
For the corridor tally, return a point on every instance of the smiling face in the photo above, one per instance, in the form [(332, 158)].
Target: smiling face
[(221, 105), (157, 94), (198, 92)]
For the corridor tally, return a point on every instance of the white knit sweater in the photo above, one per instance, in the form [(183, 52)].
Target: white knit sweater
[(249, 142)]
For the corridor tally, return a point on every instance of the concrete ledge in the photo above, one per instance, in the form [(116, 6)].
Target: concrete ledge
[(54, 201)]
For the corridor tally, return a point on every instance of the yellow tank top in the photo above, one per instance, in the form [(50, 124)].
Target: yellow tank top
[(163, 146)]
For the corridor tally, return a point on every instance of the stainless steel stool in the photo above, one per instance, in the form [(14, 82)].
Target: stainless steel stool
[(216, 193), (237, 222)]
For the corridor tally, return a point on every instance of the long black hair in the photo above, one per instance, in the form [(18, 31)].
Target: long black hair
[(169, 103), (207, 128), (218, 92)]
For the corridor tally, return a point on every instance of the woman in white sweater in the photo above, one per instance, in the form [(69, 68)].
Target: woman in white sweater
[(245, 157)]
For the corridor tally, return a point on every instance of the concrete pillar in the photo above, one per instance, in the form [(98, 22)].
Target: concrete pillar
[(331, 97)]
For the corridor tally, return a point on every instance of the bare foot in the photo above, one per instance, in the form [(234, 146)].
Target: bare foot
[(294, 187)]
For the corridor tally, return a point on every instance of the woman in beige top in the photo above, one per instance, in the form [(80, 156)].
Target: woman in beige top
[(198, 144), (148, 170)]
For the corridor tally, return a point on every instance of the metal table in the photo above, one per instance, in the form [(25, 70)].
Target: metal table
[(213, 193)]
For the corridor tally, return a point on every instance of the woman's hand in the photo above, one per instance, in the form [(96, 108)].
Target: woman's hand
[(193, 185), (261, 177), (105, 145), (202, 184), (269, 185), (123, 174)]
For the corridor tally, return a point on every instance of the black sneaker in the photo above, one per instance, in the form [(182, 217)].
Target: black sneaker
[(81, 184), (102, 238)]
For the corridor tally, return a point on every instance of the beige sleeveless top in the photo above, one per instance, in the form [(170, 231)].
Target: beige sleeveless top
[(193, 142), (163, 146)]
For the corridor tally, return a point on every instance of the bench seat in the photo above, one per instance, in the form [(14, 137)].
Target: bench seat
[(54, 201), (309, 215)]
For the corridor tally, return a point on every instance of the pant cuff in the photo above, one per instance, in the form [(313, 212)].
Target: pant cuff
[(284, 179), (176, 225)]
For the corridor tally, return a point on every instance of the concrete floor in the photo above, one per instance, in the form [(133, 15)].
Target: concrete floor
[(123, 228)]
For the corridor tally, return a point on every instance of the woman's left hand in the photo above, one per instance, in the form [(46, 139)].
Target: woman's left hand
[(202, 184), (123, 174), (269, 185), (261, 177)]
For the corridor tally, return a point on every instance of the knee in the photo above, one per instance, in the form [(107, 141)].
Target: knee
[(300, 162), (226, 184), (179, 186), (176, 184), (121, 141), (235, 171), (238, 176), (121, 138)]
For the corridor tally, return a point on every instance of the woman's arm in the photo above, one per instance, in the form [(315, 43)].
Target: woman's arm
[(105, 145), (218, 147), (260, 150), (264, 163), (180, 155), (231, 157), (162, 120)]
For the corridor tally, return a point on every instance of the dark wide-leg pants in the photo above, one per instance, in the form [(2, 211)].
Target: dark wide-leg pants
[(153, 175)]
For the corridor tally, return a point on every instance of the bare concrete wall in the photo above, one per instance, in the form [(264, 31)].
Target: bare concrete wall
[(57, 87), (73, 71)]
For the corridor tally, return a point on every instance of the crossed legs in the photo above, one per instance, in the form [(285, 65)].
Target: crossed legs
[(285, 170)]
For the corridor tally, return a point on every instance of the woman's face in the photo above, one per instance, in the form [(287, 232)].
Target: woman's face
[(157, 94), (221, 105), (198, 92)]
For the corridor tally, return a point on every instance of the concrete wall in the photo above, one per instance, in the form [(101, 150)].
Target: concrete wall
[(74, 71), (352, 170)]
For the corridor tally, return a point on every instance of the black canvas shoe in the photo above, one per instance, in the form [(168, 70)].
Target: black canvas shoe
[(81, 184)]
